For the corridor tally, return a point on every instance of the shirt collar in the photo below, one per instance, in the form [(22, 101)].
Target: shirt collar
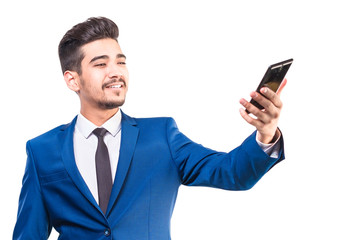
[(85, 127)]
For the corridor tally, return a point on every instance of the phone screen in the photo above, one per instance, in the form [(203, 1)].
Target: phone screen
[(272, 79)]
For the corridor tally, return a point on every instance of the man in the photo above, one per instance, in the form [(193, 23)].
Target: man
[(106, 175)]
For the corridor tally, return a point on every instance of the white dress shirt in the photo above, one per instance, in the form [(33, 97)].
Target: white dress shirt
[(271, 149), (85, 145)]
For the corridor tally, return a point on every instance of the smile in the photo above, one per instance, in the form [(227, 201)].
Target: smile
[(115, 86)]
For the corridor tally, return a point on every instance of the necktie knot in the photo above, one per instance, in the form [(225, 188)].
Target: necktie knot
[(100, 132)]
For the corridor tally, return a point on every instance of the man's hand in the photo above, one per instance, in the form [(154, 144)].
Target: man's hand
[(266, 120)]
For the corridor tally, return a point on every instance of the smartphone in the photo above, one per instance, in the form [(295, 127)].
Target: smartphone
[(273, 78)]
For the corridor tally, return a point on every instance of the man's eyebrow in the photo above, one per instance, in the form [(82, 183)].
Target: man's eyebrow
[(120, 55), (99, 57)]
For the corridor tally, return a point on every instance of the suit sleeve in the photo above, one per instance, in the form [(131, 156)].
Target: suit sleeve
[(239, 169), (32, 219)]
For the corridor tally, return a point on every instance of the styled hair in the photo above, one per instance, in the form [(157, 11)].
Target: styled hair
[(92, 29)]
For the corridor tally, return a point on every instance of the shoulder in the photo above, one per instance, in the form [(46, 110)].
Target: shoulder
[(154, 120), (149, 121), (156, 124), (152, 125)]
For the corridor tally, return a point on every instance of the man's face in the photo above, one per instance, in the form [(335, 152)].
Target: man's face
[(104, 78)]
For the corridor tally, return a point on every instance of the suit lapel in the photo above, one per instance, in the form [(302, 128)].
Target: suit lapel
[(68, 157), (129, 136)]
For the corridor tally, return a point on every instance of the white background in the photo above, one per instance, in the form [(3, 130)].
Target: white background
[(194, 60)]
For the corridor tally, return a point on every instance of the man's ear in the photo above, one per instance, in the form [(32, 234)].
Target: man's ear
[(72, 80)]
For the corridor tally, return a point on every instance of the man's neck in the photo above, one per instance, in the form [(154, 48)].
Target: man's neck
[(99, 116)]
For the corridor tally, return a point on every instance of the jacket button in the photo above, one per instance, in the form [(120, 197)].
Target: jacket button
[(107, 232)]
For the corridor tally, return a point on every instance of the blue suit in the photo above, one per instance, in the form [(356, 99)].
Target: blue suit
[(155, 159)]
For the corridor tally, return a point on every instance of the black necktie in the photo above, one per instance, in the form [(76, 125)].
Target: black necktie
[(103, 170)]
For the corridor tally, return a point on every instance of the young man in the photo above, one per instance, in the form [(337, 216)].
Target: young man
[(106, 175)]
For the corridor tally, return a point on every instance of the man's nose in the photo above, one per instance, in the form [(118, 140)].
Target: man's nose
[(114, 71)]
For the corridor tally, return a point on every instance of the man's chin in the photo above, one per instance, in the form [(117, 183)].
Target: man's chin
[(112, 104)]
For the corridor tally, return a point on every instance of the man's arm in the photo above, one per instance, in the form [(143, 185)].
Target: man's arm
[(32, 220), (239, 169)]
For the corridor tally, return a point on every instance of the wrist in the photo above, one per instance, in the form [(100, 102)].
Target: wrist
[(268, 139)]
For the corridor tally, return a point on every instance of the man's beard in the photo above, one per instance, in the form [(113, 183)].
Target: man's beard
[(111, 104), (105, 103)]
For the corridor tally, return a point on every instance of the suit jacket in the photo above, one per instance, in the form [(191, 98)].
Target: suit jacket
[(155, 159)]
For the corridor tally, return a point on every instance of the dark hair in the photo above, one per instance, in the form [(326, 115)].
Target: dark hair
[(92, 29)]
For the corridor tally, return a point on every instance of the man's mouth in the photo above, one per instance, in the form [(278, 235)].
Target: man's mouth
[(115, 84)]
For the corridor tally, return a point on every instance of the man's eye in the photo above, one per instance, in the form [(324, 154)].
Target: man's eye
[(122, 63), (100, 65)]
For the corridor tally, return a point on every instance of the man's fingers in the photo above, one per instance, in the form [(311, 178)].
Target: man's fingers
[(261, 116), (271, 96), (265, 120), (256, 123)]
